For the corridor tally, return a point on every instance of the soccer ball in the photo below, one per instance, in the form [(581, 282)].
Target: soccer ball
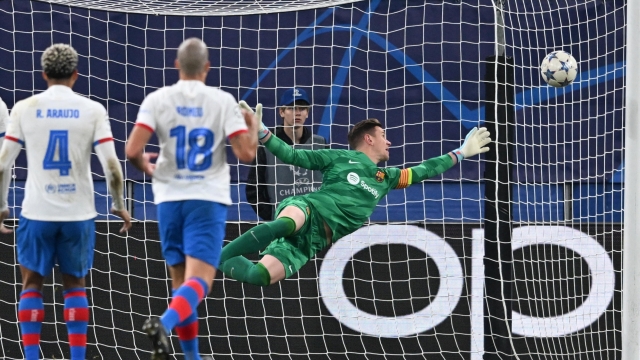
[(559, 68)]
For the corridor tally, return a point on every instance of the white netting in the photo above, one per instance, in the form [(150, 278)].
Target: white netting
[(201, 7), (411, 285), (567, 185)]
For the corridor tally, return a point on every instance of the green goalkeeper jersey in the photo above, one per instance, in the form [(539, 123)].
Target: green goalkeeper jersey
[(352, 184)]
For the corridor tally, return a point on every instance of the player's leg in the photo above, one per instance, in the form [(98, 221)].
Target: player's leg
[(284, 257), (170, 223), (275, 267), (187, 330), (36, 254), (290, 219), (201, 235), (76, 238), (31, 312)]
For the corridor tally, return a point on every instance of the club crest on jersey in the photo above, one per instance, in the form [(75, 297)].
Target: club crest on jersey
[(379, 176)]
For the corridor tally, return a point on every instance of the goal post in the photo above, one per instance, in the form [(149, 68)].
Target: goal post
[(631, 276)]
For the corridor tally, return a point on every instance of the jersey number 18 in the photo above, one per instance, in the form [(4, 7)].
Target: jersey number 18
[(58, 145), (200, 146)]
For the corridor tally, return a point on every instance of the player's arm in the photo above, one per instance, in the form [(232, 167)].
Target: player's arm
[(106, 151), (4, 120), (308, 159), (11, 147), (427, 169), (475, 143), (134, 150), (140, 136), (8, 154), (244, 143)]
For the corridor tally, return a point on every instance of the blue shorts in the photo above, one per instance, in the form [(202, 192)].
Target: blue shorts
[(70, 244), (192, 227)]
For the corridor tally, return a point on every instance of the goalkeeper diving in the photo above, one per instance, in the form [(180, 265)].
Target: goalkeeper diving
[(352, 186)]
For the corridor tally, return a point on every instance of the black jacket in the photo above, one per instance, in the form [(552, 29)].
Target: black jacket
[(256, 190)]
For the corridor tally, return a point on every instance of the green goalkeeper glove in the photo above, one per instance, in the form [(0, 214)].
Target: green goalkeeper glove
[(263, 131), (474, 143)]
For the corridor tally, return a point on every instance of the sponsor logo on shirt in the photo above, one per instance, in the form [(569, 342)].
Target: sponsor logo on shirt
[(188, 111), (66, 189), (353, 178), (188, 177), (60, 188), (59, 113), (373, 191)]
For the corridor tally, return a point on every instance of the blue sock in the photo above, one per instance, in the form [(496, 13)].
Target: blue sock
[(31, 315), (185, 302), (188, 335), (76, 315)]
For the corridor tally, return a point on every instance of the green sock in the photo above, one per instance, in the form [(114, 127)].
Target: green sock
[(258, 238), (243, 270)]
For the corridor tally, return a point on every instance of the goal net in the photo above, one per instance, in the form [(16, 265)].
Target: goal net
[(411, 283)]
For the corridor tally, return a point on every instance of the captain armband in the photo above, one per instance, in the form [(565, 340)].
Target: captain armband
[(405, 178)]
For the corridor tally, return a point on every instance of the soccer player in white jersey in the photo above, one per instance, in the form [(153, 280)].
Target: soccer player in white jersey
[(190, 185), (59, 129), (4, 119)]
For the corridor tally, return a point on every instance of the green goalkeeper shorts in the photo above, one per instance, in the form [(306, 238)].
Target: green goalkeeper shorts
[(297, 249)]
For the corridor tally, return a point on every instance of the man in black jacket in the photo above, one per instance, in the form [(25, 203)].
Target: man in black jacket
[(270, 181)]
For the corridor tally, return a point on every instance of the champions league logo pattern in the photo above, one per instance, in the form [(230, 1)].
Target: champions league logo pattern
[(298, 171), (302, 182)]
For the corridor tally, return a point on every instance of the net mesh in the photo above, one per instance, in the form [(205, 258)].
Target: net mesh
[(409, 284)]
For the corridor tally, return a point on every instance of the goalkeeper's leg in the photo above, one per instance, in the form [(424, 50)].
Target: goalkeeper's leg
[(259, 237), (236, 266)]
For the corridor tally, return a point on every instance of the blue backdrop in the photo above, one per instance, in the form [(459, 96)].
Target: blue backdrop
[(415, 65)]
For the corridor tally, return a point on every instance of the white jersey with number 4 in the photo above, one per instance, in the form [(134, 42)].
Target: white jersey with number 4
[(59, 129), (192, 122)]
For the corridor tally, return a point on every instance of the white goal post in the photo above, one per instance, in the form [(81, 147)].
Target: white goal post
[(631, 275), (202, 7)]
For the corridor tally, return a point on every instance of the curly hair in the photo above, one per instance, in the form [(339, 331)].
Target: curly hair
[(59, 61)]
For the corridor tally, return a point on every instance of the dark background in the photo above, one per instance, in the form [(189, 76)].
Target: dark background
[(289, 320)]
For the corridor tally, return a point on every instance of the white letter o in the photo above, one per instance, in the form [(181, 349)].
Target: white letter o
[(602, 281), (339, 255)]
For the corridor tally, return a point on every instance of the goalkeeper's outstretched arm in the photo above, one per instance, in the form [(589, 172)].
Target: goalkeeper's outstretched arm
[(475, 143), (308, 159)]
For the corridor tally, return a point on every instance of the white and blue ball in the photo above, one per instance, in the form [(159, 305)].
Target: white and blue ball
[(559, 68)]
